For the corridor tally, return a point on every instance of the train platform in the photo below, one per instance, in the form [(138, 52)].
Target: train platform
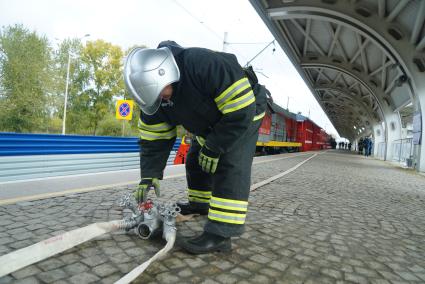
[(337, 218)]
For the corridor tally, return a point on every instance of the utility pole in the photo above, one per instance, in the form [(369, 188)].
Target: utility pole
[(66, 87), (66, 92), (225, 42)]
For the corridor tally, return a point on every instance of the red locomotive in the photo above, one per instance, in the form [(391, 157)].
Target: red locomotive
[(284, 131), (281, 131)]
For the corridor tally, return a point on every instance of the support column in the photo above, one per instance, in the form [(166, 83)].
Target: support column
[(379, 146), (393, 132), (419, 150)]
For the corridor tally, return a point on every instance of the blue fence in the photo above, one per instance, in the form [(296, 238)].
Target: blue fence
[(29, 156), (14, 144)]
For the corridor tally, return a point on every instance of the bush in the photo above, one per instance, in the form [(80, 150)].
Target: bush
[(110, 126)]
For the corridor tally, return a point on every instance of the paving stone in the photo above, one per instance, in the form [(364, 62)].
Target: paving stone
[(332, 273), (209, 281), (29, 280), (6, 279), (126, 267), (52, 276), (337, 219), (5, 222), (226, 278), (270, 272), (84, 277), (167, 278), (222, 264), (185, 273), (279, 265), (50, 264), (355, 278), (94, 260), (379, 281), (69, 258), (104, 270), (111, 279), (260, 259), (195, 262), (258, 278), (6, 240), (407, 276), (75, 268)]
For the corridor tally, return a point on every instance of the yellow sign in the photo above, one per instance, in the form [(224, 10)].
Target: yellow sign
[(124, 109)]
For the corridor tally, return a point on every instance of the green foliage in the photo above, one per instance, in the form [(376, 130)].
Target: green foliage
[(109, 125), (33, 82), (103, 68), (25, 68), (69, 49)]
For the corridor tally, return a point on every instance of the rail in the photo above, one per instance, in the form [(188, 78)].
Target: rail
[(402, 151), (380, 152)]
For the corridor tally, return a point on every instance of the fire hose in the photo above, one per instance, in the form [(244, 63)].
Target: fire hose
[(147, 221)]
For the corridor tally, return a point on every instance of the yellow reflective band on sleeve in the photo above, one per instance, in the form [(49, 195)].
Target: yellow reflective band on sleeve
[(233, 93), (235, 87), (154, 127), (228, 204), (259, 116), (226, 217), (151, 136), (238, 103)]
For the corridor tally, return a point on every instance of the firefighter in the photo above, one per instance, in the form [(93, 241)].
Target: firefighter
[(211, 96)]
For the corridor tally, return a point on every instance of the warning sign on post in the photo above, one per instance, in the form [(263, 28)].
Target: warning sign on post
[(124, 109)]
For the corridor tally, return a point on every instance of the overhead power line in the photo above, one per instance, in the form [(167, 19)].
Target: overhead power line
[(198, 20)]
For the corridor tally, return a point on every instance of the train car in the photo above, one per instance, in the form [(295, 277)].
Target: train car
[(312, 136), (277, 132), (280, 131)]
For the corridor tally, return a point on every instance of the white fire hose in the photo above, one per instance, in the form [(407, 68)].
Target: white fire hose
[(159, 217), (57, 244)]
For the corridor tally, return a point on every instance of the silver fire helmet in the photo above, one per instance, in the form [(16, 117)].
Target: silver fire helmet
[(146, 73)]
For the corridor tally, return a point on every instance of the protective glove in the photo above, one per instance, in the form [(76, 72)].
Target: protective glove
[(208, 160), (146, 184)]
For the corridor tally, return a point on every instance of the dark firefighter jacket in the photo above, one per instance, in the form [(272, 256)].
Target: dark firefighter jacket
[(213, 99)]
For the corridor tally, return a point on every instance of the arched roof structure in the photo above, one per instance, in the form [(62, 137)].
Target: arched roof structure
[(363, 60)]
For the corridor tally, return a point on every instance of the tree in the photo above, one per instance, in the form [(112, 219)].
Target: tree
[(25, 81), (77, 105), (102, 62)]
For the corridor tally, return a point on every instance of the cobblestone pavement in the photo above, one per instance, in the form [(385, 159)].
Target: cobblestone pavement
[(339, 218)]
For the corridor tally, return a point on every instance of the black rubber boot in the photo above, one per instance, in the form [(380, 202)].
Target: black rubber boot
[(206, 243), (187, 208)]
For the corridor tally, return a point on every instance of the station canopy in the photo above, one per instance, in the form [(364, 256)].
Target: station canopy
[(361, 59)]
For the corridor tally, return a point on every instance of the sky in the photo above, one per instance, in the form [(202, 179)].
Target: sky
[(200, 23)]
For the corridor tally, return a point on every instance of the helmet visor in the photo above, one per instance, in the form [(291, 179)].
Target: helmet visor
[(151, 109)]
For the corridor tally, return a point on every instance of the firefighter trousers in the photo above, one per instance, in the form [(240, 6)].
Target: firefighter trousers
[(225, 193)]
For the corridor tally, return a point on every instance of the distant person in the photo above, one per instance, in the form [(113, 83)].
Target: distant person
[(360, 146), (370, 146), (367, 145)]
